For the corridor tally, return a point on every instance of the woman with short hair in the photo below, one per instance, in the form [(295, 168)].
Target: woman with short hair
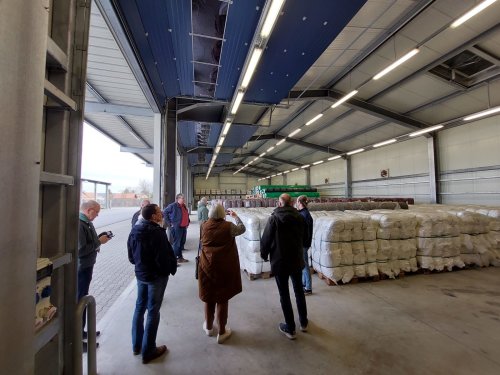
[(219, 277)]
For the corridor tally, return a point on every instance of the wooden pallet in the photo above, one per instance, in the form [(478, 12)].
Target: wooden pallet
[(357, 279), (263, 275)]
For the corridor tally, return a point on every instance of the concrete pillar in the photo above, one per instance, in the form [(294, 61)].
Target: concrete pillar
[(348, 178), (23, 27), (157, 159)]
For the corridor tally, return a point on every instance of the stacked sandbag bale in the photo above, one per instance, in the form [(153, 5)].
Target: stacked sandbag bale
[(475, 244), (493, 236), (438, 239), (396, 242), (248, 243), (365, 250)]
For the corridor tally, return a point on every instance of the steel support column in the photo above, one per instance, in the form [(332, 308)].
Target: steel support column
[(348, 178), (170, 151), (433, 157)]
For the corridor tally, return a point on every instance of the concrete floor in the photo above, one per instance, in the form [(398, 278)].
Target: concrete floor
[(445, 323)]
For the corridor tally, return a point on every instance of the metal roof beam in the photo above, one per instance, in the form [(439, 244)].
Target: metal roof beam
[(360, 105), (299, 142), (277, 160), (116, 109), (136, 150)]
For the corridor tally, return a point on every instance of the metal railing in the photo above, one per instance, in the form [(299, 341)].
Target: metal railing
[(89, 303)]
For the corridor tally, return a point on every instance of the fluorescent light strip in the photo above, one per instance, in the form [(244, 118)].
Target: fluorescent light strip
[(287, 171), (294, 132), (270, 149), (257, 158), (335, 157), (306, 166), (393, 140), (318, 162), (237, 102), (221, 141), (257, 53), (396, 63), (344, 99), (295, 169), (217, 149), (482, 114), (273, 175), (271, 17), (356, 151), (279, 174), (280, 142), (226, 128), (262, 155), (423, 131), (314, 119), (471, 13)]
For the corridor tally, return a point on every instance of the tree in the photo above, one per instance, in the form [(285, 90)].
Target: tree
[(145, 187), (127, 190)]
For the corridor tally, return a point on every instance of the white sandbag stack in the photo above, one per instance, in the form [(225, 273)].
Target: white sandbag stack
[(438, 240), (255, 220), (493, 236), (396, 242), (365, 262)]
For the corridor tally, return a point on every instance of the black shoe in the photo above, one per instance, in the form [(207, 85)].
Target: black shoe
[(288, 333), (159, 351), (136, 352), (85, 334), (86, 346), (307, 291)]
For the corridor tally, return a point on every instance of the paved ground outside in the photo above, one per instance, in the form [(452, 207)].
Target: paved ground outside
[(112, 271)]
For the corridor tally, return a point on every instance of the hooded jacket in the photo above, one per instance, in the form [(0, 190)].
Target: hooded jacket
[(150, 252), (283, 241), (309, 227)]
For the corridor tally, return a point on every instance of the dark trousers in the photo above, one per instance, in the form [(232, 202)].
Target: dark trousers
[(286, 304), (84, 279), (149, 297), (179, 237), (222, 312)]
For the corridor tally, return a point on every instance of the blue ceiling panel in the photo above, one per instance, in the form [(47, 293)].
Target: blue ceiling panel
[(300, 36), (223, 159), (242, 19), (188, 134), (239, 134)]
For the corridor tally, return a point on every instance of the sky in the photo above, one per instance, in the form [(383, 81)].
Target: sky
[(103, 161)]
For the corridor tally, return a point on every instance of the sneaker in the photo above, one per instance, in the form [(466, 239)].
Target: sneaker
[(224, 336), (284, 329), (182, 260), (209, 332), (308, 291), (85, 334), (303, 328), (159, 351), (136, 352)]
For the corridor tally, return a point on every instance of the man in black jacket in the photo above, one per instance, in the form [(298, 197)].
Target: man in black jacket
[(154, 260), (136, 215), (282, 240), (306, 272)]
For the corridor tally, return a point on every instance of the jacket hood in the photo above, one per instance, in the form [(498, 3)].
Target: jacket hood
[(286, 214), (143, 228)]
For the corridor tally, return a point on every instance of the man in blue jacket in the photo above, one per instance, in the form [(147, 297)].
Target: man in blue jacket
[(176, 217), (154, 260)]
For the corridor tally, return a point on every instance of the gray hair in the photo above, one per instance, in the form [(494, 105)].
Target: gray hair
[(179, 196), (217, 212), (89, 204), (204, 200)]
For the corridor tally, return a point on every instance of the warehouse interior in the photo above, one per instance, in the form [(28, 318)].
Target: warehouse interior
[(358, 101)]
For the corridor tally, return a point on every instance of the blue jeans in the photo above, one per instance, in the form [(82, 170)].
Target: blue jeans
[(300, 298), (84, 279), (149, 297), (179, 237), (306, 272)]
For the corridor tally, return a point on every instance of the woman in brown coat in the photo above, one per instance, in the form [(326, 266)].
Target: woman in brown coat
[(219, 277)]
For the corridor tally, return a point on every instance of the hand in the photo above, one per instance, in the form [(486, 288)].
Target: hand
[(103, 239), (232, 213)]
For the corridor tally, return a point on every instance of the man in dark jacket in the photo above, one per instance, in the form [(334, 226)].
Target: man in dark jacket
[(154, 260), (136, 215), (283, 240), (176, 217), (89, 243), (306, 272)]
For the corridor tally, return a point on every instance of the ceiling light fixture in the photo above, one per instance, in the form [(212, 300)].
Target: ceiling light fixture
[(318, 162), (356, 151), (257, 158), (257, 53), (270, 149), (471, 13), (295, 169), (423, 131), (217, 149), (221, 141), (335, 157), (280, 142), (294, 132), (482, 114), (237, 102), (344, 99), (314, 119), (306, 166), (393, 140), (262, 155), (226, 128), (287, 171), (279, 174), (396, 63), (271, 17)]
